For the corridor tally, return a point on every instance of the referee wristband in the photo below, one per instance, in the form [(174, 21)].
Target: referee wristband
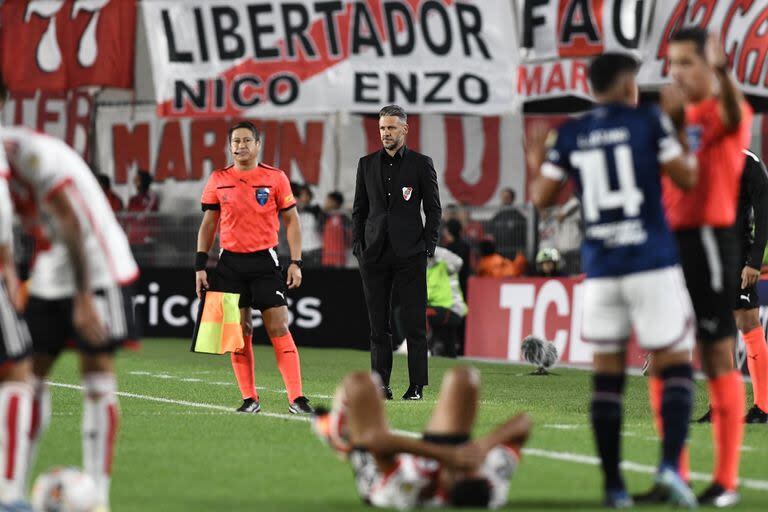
[(201, 259)]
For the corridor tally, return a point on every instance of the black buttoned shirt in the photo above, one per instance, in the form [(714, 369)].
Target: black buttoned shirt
[(390, 168)]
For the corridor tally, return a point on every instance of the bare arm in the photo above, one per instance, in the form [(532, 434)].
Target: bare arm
[(85, 317), (384, 444), (543, 190), (293, 234), (730, 97), (205, 236), (513, 431), (207, 230), (683, 170), (7, 263), (72, 235)]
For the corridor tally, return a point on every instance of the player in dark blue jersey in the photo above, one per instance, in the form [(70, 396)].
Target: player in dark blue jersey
[(615, 155)]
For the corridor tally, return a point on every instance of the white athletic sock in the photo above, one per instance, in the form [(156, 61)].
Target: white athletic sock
[(100, 422), (15, 416), (41, 418)]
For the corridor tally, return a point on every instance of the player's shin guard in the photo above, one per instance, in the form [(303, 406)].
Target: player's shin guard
[(15, 416), (676, 404), (41, 418), (727, 398), (606, 417), (243, 367), (288, 363), (757, 362), (100, 424), (655, 393)]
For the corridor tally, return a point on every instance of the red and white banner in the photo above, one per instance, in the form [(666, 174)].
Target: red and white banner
[(502, 312), (181, 153), (255, 58), (557, 29), (64, 115), (741, 25), (56, 45), (475, 157)]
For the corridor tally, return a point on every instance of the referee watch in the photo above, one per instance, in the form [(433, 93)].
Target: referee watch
[(298, 263)]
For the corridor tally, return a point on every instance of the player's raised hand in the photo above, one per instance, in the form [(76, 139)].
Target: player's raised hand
[(672, 102), (294, 276), (536, 145), (201, 282), (87, 321), (714, 52), (749, 276)]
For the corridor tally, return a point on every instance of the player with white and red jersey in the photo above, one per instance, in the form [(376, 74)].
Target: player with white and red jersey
[(444, 468), (15, 364), (78, 285)]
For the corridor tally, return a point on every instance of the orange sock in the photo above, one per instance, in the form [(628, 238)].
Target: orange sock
[(288, 363), (243, 366), (655, 392), (726, 394), (757, 362)]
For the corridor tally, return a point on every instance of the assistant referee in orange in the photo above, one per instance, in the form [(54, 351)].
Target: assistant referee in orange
[(246, 198)]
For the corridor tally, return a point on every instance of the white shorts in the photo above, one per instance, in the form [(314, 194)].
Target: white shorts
[(655, 304), (414, 481)]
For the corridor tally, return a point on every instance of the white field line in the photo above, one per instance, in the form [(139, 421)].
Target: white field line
[(168, 376), (749, 483)]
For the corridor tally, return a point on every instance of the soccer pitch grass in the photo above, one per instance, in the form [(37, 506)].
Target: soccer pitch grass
[(182, 448)]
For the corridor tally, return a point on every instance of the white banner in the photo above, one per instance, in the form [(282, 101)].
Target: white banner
[(256, 58), (741, 25), (558, 37), (556, 29), (64, 115), (475, 157), (181, 153)]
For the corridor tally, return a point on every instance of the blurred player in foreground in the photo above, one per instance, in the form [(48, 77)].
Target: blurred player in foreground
[(616, 155), (243, 202), (15, 363), (444, 467), (710, 108), (77, 287)]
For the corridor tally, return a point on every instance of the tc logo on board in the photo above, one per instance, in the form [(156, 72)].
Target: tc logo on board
[(262, 195)]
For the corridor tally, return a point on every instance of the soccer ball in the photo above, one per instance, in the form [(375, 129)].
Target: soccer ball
[(64, 489)]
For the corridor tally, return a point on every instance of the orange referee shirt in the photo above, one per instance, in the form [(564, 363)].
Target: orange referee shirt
[(249, 202), (712, 202)]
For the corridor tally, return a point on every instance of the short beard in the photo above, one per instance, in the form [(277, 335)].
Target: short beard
[(391, 145)]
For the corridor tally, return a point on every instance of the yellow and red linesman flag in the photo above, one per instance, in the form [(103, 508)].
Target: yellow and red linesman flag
[(218, 328)]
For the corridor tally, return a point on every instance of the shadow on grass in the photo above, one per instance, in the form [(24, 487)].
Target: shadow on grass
[(560, 504)]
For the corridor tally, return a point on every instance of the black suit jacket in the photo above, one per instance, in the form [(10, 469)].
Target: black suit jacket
[(373, 221)]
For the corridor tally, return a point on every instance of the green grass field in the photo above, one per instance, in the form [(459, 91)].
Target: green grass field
[(201, 456)]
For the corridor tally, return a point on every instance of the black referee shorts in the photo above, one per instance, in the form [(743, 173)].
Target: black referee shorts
[(256, 276), (709, 257), (50, 322)]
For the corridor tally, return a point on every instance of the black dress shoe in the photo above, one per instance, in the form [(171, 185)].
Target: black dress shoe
[(387, 392), (756, 415), (415, 392), (707, 418)]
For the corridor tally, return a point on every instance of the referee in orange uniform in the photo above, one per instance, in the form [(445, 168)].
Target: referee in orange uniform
[(247, 197)]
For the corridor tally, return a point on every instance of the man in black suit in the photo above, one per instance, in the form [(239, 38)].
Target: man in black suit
[(392, 244)]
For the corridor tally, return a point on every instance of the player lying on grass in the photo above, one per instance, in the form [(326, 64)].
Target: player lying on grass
[(444, 467)]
